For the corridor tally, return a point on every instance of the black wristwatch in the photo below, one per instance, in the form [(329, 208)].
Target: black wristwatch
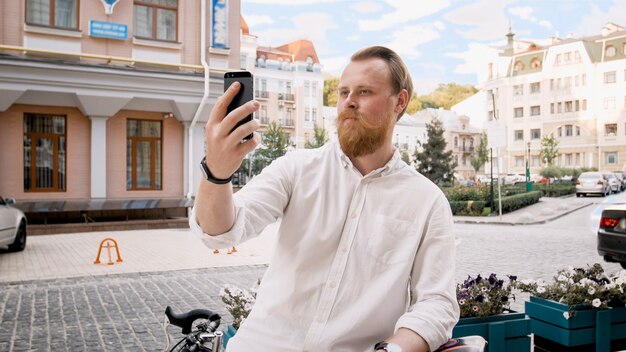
[(209, 177), (388, 347)]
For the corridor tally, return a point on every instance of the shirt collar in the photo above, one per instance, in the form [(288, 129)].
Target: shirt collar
[(392, 165)]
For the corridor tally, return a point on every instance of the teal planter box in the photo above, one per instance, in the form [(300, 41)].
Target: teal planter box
[(504, 332), (228, 333), (600, 330)]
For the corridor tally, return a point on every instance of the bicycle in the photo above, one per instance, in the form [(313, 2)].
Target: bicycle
[(206, 333), (202, 337)]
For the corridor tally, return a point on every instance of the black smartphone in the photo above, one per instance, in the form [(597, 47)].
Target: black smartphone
[(246, 93)]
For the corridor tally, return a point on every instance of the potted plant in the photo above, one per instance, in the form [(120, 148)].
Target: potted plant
[(581, 309), (238, 303), (485, 311)]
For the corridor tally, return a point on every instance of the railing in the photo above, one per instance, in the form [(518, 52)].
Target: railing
[(260, 94), (288, 123), (289, 96), (264, 120)]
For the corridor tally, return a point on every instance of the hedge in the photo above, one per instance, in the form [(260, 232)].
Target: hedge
[(556, 190), (509, 204)]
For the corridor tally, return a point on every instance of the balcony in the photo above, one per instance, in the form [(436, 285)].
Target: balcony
[(260, 94), (264, 120), (288, 123), (289, 96)]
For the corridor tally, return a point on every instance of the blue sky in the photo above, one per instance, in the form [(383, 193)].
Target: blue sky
[(441, 40)]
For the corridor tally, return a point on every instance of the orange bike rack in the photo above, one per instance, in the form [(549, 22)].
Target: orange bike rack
[(108, 246)]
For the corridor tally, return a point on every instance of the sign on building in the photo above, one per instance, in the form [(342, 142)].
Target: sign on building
[(108, 30)]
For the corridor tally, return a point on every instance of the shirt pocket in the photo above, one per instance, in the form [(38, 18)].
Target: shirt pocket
[(391, 241)]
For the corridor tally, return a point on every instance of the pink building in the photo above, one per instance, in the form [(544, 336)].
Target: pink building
[(108, 100)]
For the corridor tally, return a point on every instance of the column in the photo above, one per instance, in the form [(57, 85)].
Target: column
[(98, 156)]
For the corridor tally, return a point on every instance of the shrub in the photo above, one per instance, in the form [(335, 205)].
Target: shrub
[(482, 297), (518, 201)]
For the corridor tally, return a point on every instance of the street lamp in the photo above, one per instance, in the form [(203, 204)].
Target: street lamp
[(528, 184)]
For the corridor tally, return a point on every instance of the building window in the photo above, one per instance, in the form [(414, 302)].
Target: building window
[(535, 133), (307, 114), (156, 19), (44, 153), (535, 63), (519, 161), (610, 158), (552, 108), (610, 129), (609, 77), (577, 58), (456, 141), (307, 88), (519, 135), (535, 88), (569, 130), (584, 105), (610, 51), (535, 161), (53, 13), (314, 89), (567, 57), (519, 66), (559, 107), (518, 112), (490, 70), (535, 110), (143, 155), (577, 130), (557, 61), (583, 80), (518, 90), (577, 105), (568, 159), (568, 106), (609, 103)]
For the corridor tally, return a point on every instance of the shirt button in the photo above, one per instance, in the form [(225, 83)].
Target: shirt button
[(333, 284), (353, 215)]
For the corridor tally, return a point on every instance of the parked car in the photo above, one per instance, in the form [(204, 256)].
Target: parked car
[(612, 234), (613, 182), (592, 183), (511, 179), (621, 178), (12, 226)]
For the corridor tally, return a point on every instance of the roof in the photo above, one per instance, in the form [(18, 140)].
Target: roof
[(243, 25), (301, 49)]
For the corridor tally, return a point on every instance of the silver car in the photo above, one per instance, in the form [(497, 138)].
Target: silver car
[(615, 184), (12, 226), (592, 183)]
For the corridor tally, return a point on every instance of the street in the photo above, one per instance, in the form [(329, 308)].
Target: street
[(124, 312)]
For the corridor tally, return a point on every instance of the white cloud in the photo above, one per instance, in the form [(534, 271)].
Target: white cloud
[(335, 65), (425, 85), (257, 20), (367, 7), (403, 11), (475, 58), (592, 23), (305, 26), (288, 2), (353, 38), (526, 13), (406, 40), (485, 18)]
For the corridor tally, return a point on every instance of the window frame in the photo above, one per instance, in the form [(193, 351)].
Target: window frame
[(518, 135), (610, 128), (153, 157), (56, 153), (52, 18), (535, 108), (610, 77), (154, 29)]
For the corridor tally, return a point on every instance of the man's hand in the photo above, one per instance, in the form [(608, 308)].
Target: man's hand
[(225, 151), (409, 340)]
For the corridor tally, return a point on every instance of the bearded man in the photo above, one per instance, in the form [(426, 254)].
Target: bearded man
[(364, 257)]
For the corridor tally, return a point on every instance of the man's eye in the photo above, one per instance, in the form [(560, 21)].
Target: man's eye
[(343, 93), (364, 91)]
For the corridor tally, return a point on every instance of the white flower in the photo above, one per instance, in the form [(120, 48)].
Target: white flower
[(566, 315), (541, 289), (562, 278), (591, 290), (596, 302)]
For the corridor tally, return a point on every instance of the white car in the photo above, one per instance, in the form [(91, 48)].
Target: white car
[(12, 226), (511, 179)]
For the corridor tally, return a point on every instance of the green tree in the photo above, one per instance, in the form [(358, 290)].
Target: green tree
[(447, 95), (405, 157), (330, 91), (273, 145), (320, 138), (481, 156), (434, 161), (549, 149)]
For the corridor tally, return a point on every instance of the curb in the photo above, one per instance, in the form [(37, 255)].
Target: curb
[(514, 223)]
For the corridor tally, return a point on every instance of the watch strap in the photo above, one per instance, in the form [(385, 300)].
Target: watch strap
[(209, 176), (382, 345)]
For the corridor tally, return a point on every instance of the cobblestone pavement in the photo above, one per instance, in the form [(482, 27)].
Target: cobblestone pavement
[(124, 312)]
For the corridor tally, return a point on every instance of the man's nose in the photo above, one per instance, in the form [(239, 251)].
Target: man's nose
[(351, 102)]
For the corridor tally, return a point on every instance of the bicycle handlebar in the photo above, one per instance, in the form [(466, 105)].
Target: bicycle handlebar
[(185, 320)]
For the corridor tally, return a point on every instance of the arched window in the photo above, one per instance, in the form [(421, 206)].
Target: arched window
[(519, 66), (535, 63), (610, 51)]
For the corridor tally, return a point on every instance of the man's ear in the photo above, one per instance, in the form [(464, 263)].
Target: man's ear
[(403, 101)]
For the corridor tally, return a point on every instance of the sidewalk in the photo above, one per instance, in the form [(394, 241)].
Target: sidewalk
[(73, 255)]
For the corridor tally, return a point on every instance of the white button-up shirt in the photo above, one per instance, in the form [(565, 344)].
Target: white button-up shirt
[(349, 249)]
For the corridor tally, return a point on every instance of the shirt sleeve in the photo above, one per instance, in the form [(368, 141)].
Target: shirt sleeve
[(259, 203), (434, 310)]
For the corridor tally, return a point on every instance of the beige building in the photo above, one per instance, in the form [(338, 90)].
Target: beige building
[(571, 88), (103, 101), (461, 137), (288, 84)]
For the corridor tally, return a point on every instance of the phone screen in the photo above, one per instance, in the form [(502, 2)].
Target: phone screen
[(246, 93)]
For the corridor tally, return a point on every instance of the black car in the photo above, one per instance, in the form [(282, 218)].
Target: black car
[(612, 234)]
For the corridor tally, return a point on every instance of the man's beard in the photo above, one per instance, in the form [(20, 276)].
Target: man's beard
[(361, 137)]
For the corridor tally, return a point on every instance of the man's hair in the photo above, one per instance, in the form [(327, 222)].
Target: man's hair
[(400, 76)]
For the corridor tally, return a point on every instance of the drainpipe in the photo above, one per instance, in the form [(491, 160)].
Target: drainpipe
[(205, 96)]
